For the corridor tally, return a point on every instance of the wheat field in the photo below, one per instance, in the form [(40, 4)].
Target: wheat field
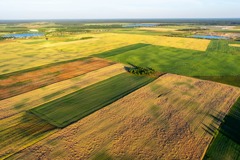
[(167, 119)]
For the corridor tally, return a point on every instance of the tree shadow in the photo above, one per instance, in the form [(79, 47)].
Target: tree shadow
[(230, 124)]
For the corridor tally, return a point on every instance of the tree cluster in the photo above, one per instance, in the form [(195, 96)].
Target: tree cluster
[(141, 70)]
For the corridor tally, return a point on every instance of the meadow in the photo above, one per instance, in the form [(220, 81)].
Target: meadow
[(218, 63), (131, 128)]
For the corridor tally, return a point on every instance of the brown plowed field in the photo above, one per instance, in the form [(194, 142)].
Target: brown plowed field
[(167, 119), (15, 85)]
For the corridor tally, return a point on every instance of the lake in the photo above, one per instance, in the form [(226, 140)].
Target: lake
[(23, 35), (209, 37)]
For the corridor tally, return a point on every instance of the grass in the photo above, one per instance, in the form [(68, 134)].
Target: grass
[(117, 51), (228, 31), (232, 80), (219, 63), (180, 61), (226, 145), (77, 105), (223, 46), (60, 49)]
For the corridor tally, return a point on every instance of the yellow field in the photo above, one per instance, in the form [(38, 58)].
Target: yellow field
[(158, 29), (22, 54), (21, 129), (234, 45), (171, 123), (29, 100)]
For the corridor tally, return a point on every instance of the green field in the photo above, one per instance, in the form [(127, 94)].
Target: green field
[(222, 46), (117, 51), (77, 105), (226, 145), (219, 63)]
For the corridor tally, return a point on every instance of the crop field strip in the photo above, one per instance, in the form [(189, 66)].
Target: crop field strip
[(29, 100), (226, 143), (15, 85), (33, 55), (19, 72), (75, 106), (22, 55), (23, 129), (131, 128), (223, 46), (234, 45)]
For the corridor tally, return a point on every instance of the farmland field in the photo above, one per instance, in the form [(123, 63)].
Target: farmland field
[(158, 29), (222, 46), (25, 82), (22, 128), (226, 144), (131, 128), (29, 100), (77, 105), (25, 54), (180, 61), (116, 90), (234, 45), (219, 60)]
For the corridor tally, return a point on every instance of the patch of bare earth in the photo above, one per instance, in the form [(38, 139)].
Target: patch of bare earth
[(167, 119), (18, 84)]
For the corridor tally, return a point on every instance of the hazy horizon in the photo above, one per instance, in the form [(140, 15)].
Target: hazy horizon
[(108, 9)]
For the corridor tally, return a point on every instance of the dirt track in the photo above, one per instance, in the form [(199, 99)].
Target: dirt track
[(167, 119)]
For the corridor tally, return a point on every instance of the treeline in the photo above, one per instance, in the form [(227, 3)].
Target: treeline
[(1, 38), (72, 30), (84, 38), (192, 29), (86, 28), (14, 29)]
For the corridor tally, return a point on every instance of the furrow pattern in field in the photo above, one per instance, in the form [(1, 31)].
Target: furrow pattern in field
[(157, 121), (73, 107), (26, 101), (15, 85)]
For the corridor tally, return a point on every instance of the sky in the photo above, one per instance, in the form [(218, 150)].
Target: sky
[(120, 9)]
